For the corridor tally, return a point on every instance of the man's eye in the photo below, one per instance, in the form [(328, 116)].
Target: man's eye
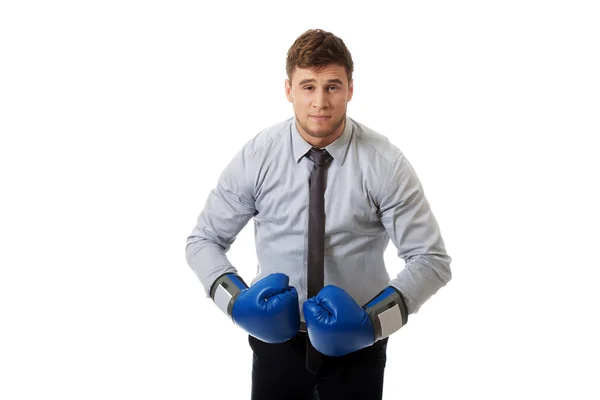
[(308, 87), (333, 87)]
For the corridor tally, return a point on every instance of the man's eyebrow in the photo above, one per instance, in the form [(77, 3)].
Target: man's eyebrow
[(336, 80)]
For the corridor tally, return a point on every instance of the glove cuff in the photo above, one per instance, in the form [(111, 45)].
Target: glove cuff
[(225, 290), (387, 312)]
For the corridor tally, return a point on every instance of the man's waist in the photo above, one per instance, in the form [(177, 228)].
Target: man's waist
[(302, 326)]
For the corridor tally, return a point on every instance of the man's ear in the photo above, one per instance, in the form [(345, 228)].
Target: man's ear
[(350, 90), (288, 90)]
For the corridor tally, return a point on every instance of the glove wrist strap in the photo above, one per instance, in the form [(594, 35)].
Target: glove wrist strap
[(225, 291), (387, 311)]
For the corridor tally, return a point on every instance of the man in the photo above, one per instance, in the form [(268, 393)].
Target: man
[(326, 194)]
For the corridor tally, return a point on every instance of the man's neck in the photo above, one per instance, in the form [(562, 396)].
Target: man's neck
[(321, 142)]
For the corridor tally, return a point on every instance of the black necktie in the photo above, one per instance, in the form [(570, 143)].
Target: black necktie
[(316, 240)]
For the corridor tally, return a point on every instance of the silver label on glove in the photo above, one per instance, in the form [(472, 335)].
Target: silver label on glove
[(390, 320), (222, 298)]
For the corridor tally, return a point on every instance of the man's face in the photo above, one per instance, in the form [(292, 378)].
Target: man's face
[(320, 97)]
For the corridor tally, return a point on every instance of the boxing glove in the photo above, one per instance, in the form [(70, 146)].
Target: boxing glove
[(267, 310), (337, 325)]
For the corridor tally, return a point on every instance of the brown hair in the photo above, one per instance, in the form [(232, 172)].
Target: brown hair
[(318, 48)]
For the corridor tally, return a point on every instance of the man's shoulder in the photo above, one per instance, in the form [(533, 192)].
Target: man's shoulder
[(263, 140), (376, 142)]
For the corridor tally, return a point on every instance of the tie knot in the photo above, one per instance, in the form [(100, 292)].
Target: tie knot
[(319, 157)]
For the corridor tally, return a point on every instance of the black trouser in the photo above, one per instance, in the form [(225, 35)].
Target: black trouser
[(279, 372)]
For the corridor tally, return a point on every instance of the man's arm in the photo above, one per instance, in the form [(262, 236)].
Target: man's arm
[(228, 208), (336, 324), (412, 227), (267, 310)]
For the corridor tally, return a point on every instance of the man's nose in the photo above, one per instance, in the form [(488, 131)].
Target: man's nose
[(320, 100)]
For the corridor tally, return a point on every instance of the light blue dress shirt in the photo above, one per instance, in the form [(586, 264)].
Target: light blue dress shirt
[(372, 195)]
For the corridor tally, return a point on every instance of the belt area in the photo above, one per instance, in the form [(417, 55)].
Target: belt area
[(302, 326)]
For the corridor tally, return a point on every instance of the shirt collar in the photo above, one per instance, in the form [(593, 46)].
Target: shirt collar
[(337, 149)]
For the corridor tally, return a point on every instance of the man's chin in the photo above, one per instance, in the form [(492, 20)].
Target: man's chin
[(320, 131)]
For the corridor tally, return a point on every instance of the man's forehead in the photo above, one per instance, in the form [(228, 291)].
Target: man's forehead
[(324, 73)]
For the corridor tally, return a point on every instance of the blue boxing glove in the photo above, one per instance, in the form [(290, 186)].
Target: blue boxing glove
[(337, 325), (267, 310)]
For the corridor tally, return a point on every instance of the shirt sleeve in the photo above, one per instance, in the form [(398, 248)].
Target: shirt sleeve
[(412, 227), (228, 208)]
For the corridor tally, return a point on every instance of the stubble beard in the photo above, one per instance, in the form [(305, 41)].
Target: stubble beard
[(321, 135)]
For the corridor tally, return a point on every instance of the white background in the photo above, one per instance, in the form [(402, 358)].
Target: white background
[(117, 117)]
